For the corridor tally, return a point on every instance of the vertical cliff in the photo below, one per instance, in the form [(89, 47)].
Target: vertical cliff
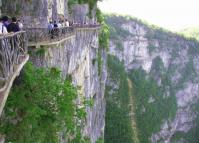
[(164, 71), (77, 56)]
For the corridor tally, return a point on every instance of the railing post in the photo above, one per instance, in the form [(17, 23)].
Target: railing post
[(47, 35), (12, 48)]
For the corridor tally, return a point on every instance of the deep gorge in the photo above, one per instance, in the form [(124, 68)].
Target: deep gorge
[(122, 81), (163, 69)]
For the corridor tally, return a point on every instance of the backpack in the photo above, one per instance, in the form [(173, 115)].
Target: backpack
[(55, 25)]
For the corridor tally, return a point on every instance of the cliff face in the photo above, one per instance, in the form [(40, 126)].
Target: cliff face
[(77, 57), (162, 55), (38, 13), (32, 13)]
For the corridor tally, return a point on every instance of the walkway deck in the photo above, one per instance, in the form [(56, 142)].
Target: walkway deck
[(13, 56), (43, 36), (13, 51)]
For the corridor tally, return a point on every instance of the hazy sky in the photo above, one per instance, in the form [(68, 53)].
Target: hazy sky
[(170, 14)]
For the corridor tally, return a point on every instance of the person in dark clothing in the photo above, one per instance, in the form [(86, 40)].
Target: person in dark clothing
[(6, 21), (55, 24), (13, 26)]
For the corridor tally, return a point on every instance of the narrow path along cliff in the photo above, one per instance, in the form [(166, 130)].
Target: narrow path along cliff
[(132, 113)]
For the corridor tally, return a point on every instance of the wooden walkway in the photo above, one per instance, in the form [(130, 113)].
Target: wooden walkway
[(13, 56), (38, 37), (4, 91), (14, 51)]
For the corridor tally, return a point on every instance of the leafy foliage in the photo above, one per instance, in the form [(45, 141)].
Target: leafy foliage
[(40, 108), (99, 61), (157, 68), (154, 92), (151, 48), (100, 140), (103, 39), (192, 32), (104, 34), (118, 122), (151, 114)]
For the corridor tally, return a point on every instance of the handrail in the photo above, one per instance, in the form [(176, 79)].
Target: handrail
[(13, 48), (86, 25), (45, 34), (2, 36), (37, 35)]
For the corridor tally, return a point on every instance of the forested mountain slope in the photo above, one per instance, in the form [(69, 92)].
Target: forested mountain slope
[(163, 68)]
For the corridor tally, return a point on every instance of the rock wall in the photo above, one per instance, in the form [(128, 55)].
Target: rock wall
[(80, 14), (179, 55), (32, 13), (0, 6), (77, 57), (37, 13)]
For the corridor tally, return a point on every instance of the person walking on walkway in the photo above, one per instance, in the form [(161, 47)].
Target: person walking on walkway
[(55, 24), (13, 26), (6, 21), (50, 29), (67, 23), (59, 24), (3, 29), (20, 24), (50, 25)]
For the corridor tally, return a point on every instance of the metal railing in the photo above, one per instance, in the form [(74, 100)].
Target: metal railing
[(13, 49), (36, 35), (86, 25), (45, 35)]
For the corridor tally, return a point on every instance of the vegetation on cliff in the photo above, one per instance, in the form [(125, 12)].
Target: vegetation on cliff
[(118, 122), (104, 33), (152, 105), (191, 32), (156, 92), (104, 36), (41, 108)]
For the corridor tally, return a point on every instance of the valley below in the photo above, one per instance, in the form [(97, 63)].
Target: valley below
[(156, 72)]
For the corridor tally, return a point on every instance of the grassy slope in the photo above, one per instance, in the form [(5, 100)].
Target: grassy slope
[(191, 32)]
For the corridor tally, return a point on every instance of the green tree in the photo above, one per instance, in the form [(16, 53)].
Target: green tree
[(40, 108)]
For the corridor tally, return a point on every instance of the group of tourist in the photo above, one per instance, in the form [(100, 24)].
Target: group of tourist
[(54, 26), (8, 25), (59, 24)]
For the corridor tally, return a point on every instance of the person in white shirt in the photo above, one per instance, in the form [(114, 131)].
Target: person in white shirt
[(3, 29), (20, 24), (67, 23), (59, 24)]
